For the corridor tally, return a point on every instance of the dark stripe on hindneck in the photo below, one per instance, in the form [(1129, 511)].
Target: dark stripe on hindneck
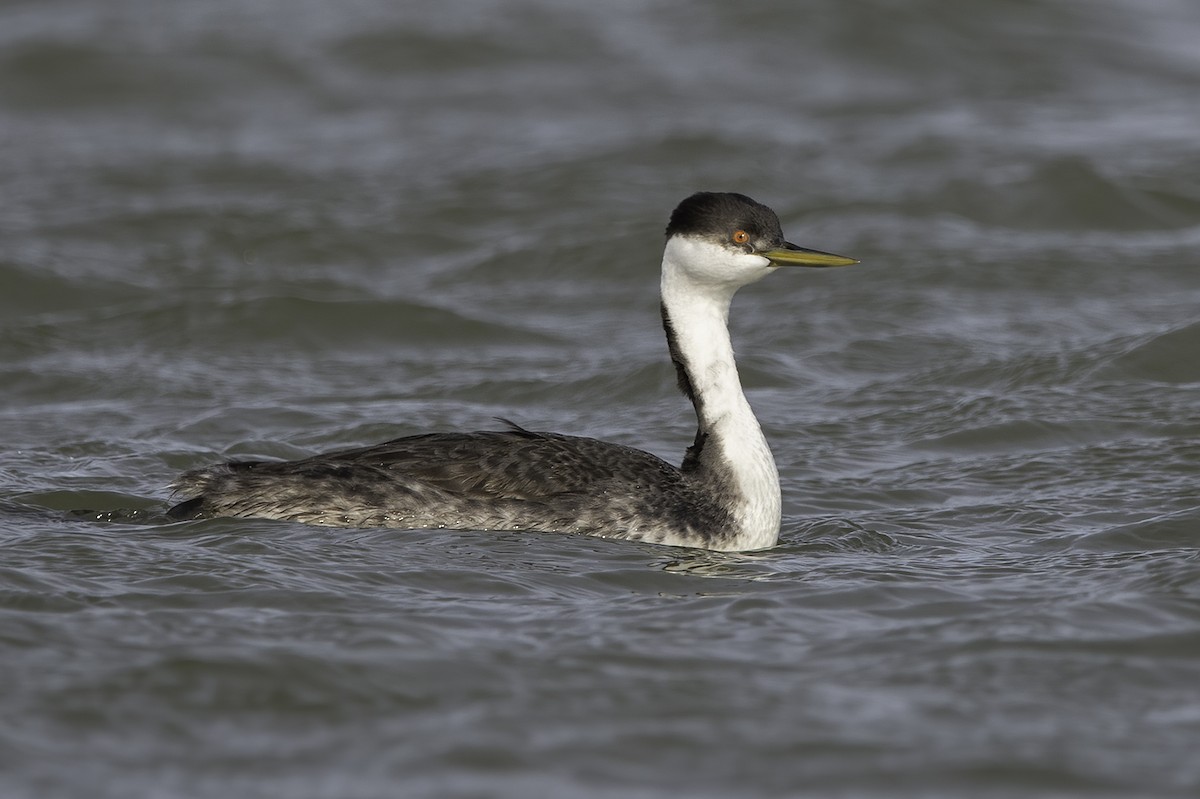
[(692, 459), (681, 375)]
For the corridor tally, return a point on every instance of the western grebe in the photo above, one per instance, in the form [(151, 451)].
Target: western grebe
[(724, 496)]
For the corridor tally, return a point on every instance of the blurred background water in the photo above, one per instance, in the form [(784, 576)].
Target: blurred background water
[(267, 229)]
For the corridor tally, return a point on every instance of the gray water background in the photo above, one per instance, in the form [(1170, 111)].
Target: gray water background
[(233, 229)]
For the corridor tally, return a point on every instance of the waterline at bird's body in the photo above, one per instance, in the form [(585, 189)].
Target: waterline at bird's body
[(724, 496)]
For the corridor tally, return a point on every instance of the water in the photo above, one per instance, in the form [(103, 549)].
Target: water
[(269, 229)]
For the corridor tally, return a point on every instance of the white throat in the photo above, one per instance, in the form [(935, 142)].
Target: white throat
[(698, 284)]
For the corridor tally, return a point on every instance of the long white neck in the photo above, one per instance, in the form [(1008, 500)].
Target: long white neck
[(733, 455)]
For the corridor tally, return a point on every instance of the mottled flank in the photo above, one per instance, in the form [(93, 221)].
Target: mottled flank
[(499, 480)]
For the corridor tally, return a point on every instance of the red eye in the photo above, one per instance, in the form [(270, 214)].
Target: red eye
[(740, 237)]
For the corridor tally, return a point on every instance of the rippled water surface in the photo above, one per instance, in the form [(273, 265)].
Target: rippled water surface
[(267, 229)]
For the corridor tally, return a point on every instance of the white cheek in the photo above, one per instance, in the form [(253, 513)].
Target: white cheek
[(750, 268), (707, 263), (760, 262)]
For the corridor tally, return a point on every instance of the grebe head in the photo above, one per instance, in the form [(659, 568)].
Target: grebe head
[(729, 240)]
